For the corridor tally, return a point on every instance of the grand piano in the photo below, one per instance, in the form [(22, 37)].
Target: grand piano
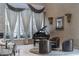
[(41, 37)]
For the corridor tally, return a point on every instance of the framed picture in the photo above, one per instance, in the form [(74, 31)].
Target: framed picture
[(60, 23)]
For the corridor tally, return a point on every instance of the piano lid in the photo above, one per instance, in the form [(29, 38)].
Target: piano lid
[(43, 28)]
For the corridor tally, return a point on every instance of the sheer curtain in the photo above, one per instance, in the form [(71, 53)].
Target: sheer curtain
[(26, 16), (39, 22), (39, 18), (7, 25), (19, 27), (20, 23), (11, 16), (34, 23), (23, 23)]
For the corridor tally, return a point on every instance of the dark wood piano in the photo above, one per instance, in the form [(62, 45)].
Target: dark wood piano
[(41, 37)]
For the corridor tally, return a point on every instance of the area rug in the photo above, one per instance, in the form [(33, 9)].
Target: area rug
[(27, 50), (75, 52)]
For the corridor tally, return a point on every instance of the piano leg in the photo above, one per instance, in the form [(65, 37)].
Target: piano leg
[(43, 47), (34, 42)]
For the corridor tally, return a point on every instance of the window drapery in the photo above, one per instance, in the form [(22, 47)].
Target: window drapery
[(24, 23), (11, 19)]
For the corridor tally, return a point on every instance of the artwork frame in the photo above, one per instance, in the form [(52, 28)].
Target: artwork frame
[(60, 23)]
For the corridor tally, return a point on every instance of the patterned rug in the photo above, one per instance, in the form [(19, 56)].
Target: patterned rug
[(56, 53), (75, 52), (27, 50)]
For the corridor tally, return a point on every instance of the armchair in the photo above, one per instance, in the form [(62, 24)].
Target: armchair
[(7, 45), (55, 42), (67, 45)]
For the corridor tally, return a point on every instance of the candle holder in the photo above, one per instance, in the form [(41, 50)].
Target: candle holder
[(68, 17), (50, 20)]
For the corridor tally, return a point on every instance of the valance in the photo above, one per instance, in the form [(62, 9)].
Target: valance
[(14, 8), (18, 9), (36, 10)]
